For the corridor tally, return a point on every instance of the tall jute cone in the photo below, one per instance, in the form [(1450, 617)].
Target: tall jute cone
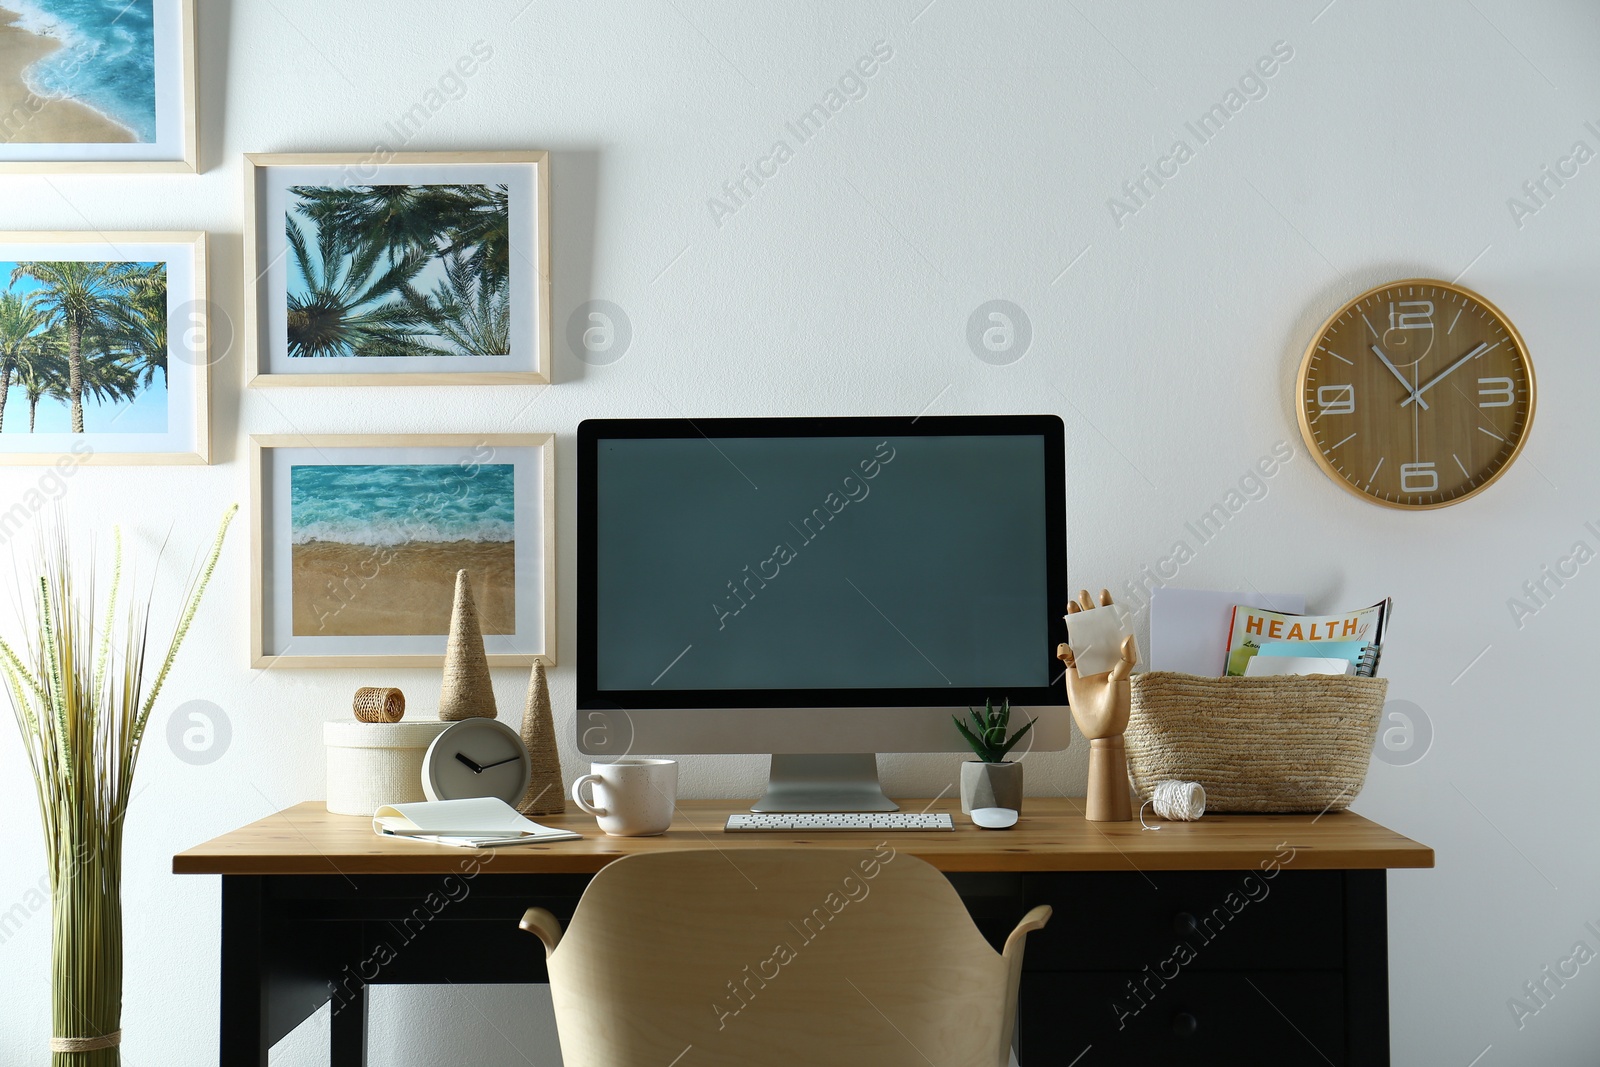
[(466, 691), (545, 795)]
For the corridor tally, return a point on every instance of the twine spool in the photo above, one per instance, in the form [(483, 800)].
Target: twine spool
[(1175, 802), (375, 704), (86, 1044)]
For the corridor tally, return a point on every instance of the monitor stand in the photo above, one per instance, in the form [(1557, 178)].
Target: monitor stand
[(835, 782)]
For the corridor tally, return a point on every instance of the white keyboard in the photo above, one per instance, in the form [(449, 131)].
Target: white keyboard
[(810, 822)]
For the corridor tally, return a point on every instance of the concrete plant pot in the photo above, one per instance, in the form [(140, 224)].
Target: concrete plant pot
[(991, 785)]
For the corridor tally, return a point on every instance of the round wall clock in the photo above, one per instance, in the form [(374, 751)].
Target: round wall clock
[(477, 757), (1416, 394)]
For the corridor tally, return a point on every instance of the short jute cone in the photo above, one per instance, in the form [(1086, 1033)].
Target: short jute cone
[(467, 691), (545, 795)]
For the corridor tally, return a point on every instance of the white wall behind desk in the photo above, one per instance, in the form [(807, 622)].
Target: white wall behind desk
[(978, 161)]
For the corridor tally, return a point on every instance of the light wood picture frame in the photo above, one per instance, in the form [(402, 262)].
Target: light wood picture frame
[(355, 536), (409, 268), (140, 304), (101, 89)]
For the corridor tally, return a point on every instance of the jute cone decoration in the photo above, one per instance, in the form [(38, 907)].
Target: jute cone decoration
[(466, 691), (546, 795)]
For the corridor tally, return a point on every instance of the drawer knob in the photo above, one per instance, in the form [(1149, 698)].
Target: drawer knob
[(1184, 924), (1184, 1024)]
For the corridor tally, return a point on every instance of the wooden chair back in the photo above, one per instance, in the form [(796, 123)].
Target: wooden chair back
[(776, 957)]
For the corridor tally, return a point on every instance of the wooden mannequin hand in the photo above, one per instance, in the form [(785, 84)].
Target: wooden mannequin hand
[(1100, 702)]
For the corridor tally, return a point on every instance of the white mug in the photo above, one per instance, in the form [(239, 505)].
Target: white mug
[(632, 797)]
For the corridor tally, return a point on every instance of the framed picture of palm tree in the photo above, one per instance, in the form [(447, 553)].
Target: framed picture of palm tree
[(94, 86), (418, 268), (103, 348), (358, 540)]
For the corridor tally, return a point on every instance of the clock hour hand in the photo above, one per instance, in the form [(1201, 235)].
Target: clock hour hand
[(1483, 347), (1411, 390), (462, 756)]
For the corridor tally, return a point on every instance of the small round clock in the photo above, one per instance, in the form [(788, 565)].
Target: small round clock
[(1416, 394), (478, 757)]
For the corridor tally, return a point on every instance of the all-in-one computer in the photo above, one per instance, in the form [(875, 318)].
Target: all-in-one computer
[(821, 589)]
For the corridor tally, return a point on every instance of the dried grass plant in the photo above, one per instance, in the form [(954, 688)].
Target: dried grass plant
[(81, 701)]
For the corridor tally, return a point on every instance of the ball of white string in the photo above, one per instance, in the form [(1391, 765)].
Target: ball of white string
[(1175, 802)]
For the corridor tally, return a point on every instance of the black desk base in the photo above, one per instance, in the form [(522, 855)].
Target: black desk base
[(1186, 967)]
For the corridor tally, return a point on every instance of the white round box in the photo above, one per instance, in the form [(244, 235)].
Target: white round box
[(375, 763)]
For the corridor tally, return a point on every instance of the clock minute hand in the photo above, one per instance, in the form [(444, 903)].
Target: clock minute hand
[(1411, 390), (1483, 346), (500, 763)]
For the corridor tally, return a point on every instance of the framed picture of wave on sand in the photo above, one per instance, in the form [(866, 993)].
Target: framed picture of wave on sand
[(103, 349), (420, 268), (358, 540), (97, 85)]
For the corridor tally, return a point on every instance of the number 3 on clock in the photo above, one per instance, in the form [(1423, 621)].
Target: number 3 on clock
[(1445, 388)]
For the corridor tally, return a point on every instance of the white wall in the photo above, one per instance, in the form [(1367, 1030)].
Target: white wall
[(978, 165)]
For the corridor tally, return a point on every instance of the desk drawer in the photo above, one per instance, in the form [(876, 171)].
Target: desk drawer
[(1196, 1019), (1228, 920)]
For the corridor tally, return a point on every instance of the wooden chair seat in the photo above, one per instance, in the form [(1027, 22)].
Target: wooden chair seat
[(779, 956)]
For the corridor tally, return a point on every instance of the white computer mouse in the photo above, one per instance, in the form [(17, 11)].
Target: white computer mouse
[(994, 818)]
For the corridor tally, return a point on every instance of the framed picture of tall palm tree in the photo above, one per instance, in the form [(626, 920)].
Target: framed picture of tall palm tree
[(103, 348), (418, 268)]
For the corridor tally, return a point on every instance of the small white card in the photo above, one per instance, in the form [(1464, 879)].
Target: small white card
[(1269, 666), (1095, 637)]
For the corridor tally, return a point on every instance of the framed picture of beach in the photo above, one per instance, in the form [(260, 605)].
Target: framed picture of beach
[(97, 85), (419, 268), (103, 349), (358, 540)]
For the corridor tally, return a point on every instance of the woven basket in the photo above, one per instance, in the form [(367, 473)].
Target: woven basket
[(1279, 744)]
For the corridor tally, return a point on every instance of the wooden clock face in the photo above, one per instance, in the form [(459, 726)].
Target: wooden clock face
[(1416, 394)]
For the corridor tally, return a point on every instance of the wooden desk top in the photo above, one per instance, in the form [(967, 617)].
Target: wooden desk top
[(1051, 836)]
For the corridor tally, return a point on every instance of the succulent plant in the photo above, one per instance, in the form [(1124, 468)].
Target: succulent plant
[(987, 734)]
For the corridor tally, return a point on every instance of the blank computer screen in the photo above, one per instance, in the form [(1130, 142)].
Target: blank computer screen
[(821, 563)]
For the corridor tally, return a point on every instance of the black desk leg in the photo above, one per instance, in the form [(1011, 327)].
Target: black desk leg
[(348, 1030), (243, 1023), (1366, 969)]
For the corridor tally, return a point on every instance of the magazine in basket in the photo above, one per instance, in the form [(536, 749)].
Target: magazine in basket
[(1252, 627)]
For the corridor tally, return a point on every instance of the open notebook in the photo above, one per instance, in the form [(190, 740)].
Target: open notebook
[(478, 822)]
